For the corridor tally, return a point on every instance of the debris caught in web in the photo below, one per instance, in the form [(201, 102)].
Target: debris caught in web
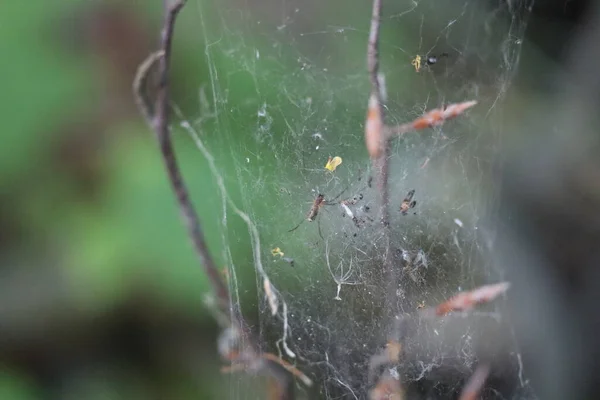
[(333, 163)]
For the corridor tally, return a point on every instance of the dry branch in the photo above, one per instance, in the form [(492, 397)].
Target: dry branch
[(157, 117), (378, 139), (378, 136), (236, 344)]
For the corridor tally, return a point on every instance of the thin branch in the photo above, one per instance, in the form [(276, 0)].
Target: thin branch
[(378, 141), (236, 343), (159, 120), (378, 145), (373, 48), (375, 137)]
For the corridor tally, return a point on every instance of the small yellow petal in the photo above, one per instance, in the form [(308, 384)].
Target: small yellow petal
[(277, 252), (333, 163), (416, 62)]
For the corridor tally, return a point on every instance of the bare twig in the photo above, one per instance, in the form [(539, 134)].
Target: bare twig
[(373, 48), (158, 118), (375, 137), (140, 82), (236, 343), (378, 139)]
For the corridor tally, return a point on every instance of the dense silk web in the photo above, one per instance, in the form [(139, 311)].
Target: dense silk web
[(288, 89)]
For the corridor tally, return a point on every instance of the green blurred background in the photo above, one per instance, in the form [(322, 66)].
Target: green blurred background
[(101, 296)]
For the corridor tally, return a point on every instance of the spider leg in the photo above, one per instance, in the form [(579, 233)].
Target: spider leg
[(338, 196), (351, 200), (296, 227), (319, 228)]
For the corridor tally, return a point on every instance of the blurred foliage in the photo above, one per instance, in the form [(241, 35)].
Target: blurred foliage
[(102, 295)]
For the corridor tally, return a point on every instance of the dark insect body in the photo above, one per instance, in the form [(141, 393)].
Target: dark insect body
[(314, 209), (313, 212), (432, 59), (408, 203)]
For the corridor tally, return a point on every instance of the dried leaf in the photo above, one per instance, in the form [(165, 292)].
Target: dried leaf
[(439, 115), (467, 300), (333, 163)]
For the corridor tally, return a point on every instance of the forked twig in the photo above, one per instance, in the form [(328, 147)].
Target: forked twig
[(237, 344), (158, 119), (378, 139), (378, 136)]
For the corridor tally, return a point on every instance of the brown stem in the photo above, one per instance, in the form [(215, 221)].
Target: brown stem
[(160, 123), (380, 162), (373, 49), (158, 118), (381, 154)]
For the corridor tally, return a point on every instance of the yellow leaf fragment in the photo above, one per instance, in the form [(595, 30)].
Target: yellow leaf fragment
[(416, 62), (333, 163), (277, 252)]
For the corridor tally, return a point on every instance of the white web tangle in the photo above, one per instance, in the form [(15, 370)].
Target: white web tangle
[(284, 88), (271, 292), (339, 276)]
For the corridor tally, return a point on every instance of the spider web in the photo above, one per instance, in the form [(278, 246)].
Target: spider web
[(288, 89)]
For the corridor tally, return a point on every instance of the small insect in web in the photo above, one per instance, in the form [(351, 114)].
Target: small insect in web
[(408, 203), (429, 60), (314, 210)]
